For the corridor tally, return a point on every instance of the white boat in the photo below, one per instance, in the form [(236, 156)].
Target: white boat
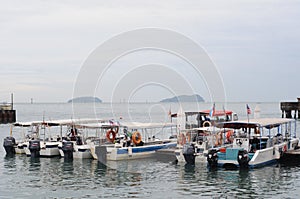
[(193, 144), (260, 142), (80, 144), (139, 141), (17, 144), (46, 144), (201, 134), (203, 118)]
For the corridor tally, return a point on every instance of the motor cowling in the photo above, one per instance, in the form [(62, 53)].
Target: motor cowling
[(189, 153), (68, 148), (34, 147), (243, 159), (212, 158), (9, 145)]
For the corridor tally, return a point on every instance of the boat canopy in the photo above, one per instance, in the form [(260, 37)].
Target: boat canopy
[(253, 123), (60, 122), (23, 124), (206, 112), (208, 129), (140, 125), (96, 125)]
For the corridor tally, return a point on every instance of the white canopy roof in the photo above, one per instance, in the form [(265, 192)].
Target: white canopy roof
[(140, 125), (262, 122)]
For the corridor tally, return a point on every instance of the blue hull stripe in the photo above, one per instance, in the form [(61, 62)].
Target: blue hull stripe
[(146, 148)]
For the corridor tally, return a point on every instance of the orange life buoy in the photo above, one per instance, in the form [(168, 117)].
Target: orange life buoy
[(229, 135), (111, 135), (136, 138), (206, 124)]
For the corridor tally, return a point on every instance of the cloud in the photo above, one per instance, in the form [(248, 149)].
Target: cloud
[(42, 41)]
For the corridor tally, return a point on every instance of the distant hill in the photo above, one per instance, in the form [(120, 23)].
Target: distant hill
[(85, 100), (184, 98)]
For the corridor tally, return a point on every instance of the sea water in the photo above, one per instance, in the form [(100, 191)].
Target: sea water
[(23, 177)]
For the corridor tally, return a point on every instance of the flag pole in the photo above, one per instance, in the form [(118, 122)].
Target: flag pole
[(248, 111), (248, 117)]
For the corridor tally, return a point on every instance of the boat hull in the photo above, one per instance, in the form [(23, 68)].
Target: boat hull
[(130, 153), (47, 149)]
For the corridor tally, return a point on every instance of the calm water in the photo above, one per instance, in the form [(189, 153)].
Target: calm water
[(22, 177)]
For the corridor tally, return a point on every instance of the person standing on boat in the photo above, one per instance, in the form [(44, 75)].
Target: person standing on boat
[(128, 136)]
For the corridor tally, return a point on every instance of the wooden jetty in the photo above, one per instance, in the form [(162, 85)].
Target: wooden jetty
[(290, 109), (7, 113)]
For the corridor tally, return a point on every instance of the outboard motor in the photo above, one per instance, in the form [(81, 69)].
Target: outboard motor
[(34, 147), (79, 140), (189, 153), (243, 159), (9, 145), (67, 148), (212, 158)]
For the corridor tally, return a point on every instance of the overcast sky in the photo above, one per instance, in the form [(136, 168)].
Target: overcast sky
[(255, 45)]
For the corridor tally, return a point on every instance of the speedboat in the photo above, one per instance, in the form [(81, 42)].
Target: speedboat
[(80, 145), (12, 145), (45, 144), (198, 132), (139, 140), (259, 142), (193, 144)]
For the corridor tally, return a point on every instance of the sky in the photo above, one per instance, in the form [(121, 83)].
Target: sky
[(254, 45)]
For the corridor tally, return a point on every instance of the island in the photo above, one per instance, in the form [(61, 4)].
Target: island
[(184, 98), (85, 100)]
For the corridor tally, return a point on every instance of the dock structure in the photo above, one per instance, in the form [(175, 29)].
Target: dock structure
[(7, 113), (290, 109)]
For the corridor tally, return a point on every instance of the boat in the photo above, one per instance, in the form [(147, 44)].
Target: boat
[(137, 141), (258, 142), (79, 145), (193, 144), (14, 146), (45, 144), (201, 134), (203, 118)]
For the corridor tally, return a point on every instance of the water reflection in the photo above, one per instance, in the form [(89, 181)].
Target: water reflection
[(67, 168), (34, 164), (9, 161)]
